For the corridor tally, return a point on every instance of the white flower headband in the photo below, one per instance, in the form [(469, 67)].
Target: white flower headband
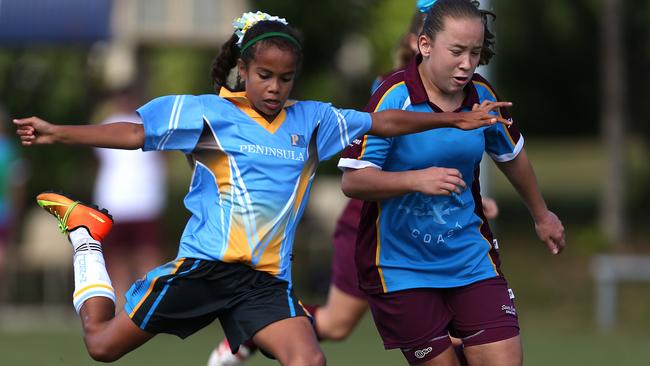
[(247, 20)]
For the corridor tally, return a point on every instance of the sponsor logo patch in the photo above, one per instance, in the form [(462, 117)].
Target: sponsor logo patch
[(423, 352), (509, 309)]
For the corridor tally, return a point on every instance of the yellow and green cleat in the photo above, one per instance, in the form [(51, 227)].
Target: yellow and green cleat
[(74, 214)]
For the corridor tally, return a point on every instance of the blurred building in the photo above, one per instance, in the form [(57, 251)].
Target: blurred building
[(116, 28)]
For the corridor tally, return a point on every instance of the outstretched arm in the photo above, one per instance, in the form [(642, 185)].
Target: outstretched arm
[(395, 122), (549, 228), (372, 184), (119, 135)]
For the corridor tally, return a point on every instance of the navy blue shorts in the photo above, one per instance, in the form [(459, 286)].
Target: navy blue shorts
[(185, 295)]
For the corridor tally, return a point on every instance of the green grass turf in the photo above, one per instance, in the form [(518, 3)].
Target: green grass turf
[(543, 345)]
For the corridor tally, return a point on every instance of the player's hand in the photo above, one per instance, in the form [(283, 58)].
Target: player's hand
[(550, 230), (490, 208), (438, 181), (34, 131), (488, 106), (480, 115)]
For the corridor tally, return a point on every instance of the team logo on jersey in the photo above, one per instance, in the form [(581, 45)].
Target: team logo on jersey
[(437, 208), (298, 140)]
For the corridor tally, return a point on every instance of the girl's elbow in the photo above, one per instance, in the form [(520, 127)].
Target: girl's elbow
[(348, 188)]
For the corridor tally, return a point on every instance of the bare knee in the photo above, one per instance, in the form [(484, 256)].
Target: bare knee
[(101, 349), (101, 352), (335, 333), (309, 359), (334, 326)]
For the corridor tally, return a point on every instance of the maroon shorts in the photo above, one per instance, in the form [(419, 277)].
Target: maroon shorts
[(418, 321), (131, 236), (344, 269)]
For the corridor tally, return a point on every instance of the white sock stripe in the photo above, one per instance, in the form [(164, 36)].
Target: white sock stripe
[(80, 300), (88, 247)]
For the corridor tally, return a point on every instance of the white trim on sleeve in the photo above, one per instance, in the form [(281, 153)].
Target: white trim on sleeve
[(347, 163), (510, 156)]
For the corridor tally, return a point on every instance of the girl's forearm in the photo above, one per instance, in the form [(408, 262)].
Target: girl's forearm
[(394, 122), (521, 175), (119, 135), (372, 184)]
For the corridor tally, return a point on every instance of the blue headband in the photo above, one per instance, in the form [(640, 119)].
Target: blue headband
[(424, 5)]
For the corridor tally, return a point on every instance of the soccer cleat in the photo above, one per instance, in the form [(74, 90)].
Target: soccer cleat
[(223, 356), (74, 214)]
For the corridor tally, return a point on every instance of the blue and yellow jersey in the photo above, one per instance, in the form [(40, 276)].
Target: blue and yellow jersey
[(417, 240), (251, 177)]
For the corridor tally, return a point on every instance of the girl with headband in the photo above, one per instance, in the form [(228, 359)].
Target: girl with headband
[(254, 153), (429, 265)]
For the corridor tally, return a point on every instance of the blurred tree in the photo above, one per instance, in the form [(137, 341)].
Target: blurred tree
[(547, 63), (51, 82), (637, 41), (614, 90)]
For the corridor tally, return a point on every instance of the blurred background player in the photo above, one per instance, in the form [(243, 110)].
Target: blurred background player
[(12, 186), (134, 185), (346, 303)]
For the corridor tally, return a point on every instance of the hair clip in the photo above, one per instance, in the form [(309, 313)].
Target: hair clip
[(249, 19), (424, 5)]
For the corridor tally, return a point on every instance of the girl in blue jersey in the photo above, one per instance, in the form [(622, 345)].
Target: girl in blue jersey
[(429, 264), (255, 154)]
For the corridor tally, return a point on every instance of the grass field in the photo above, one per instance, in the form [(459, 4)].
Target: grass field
[(554, 301), (543, 344)]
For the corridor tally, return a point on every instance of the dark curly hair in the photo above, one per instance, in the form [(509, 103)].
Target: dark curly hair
[(460, 9), (230, 51)]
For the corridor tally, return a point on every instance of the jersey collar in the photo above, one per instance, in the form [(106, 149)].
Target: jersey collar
[(418, 94), (240, 100)]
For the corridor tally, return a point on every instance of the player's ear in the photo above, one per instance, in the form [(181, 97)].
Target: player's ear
[(241, 69), (425, 44)]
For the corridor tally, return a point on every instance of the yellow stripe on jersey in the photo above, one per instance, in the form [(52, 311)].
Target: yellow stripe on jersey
[(487, 87), (218, 163), (269, 261), (363, 146), (305, 176), (365, 138), (381, 272), (385, 94), (238, 250), (272, 251), (494, 266)]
